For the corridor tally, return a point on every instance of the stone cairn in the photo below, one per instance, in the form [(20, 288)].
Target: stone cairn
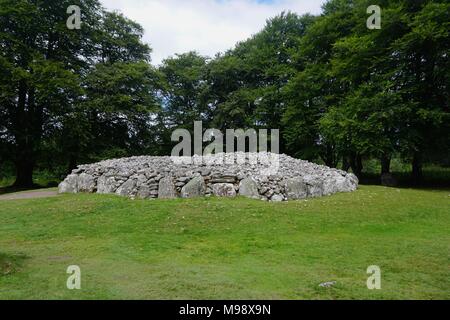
[(161, 177)]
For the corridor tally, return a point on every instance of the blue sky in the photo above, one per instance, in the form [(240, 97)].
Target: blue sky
[(206, 26)]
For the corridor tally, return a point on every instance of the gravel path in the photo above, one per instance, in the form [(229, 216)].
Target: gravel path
[(29, 195)]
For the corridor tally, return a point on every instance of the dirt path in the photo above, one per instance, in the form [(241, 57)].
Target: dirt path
[(36, 194)]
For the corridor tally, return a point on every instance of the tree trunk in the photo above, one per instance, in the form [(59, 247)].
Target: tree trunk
[(345, 163), (385, 164), (24, 173), (27, 130), (359, 165), (417, 172), (72, 163), (356, 164), (329, 156), (387, 179)]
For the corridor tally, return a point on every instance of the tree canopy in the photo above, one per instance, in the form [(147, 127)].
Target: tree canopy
[(338, 91)]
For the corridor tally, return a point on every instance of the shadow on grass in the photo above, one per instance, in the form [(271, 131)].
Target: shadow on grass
[(10, 264), (432, 179)]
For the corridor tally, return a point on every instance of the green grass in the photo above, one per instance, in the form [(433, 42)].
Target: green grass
[(228, 248)]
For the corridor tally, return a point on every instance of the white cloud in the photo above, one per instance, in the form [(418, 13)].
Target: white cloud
[(206, 26)]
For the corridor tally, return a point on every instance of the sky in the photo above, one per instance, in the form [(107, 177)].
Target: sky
[(205, 26)]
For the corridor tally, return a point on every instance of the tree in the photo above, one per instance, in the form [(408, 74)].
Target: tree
[(364, 120), (44, 70), (31, 38), (184, 84), (120, 105), (246, 83), (314, 89), (421, 63)]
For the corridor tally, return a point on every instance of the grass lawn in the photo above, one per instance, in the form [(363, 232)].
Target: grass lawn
[(228, 248)]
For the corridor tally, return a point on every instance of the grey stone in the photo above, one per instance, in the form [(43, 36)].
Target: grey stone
[(167, 189), (249, 188), (150, 174), (183, 179), (340, 183), (314, 185), (195, 188), (264, 190), (144, 192), (77, 171), (296, 189), (140, 177), (331, 185), (127, 189), (277, 198), (86, 183), (224, 179), (353, 179), (269, 193), (69, 185), (106, 185), (327, 284), (224, 190), (205, 171)]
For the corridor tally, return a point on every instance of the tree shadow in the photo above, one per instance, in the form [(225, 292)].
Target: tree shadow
[(431, 180)]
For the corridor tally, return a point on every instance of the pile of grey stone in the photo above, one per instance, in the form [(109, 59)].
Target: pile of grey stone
[(149, 177)]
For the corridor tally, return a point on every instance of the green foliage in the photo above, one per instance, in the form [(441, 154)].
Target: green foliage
[(63, 90), (370, 93), (339, 92), (183, 89), (246, 82)]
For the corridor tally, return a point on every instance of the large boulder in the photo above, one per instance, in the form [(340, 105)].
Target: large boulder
[(106, 185), (86, 183), (315, 185), (69, 185), (167, 189), (296, 189), (224, 190), (277, 198), (146, 192), (127, 189), (194, 188), (248, 187), (333, 184), (349, 184)]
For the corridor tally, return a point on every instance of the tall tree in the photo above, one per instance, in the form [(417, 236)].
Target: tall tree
[(314, 89), (247, 82), (39, 60), (421, 71), (183, 91), (44, 68)]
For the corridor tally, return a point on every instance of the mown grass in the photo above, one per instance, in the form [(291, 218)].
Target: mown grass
[(228, 248)]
